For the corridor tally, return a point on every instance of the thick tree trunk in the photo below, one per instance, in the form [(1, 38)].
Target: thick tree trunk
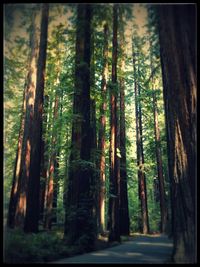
[(113, 210), (14, 190), (52, 186), (32, 211), (124, 212), (102, 129), (80, 223), (144, 220), (177, 31), (23, 157)]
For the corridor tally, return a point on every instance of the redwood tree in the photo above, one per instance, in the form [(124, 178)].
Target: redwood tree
[(18, 198), (79, 221), (44, 159), (45, 162), (52, 179), (144, 222), (123, 210), (162, 198), (35, 141), (102, 128), (177, 32), (113, 210)]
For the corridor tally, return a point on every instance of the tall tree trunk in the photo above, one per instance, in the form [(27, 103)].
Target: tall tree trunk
[(52, 181), (177, 31), (142, 176), (94, 181), (102, 129), (14, 190), (144, 223), (56, 187), (47, 167), (44, 160), (124, 212), (32, 211), (113, 211), (21, 175), (79, 222), (162, 199)]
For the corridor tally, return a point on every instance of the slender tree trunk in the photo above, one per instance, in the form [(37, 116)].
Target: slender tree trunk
[(94, 183), (49, 125), (144, 223), (79, 222), (52, 183), (94, 180), (24, 149), (56, 188), (44, 160), (177, 32), (124, 212), (142, 179), (102, 129), (32, 211), (113, 212), (162, 199)]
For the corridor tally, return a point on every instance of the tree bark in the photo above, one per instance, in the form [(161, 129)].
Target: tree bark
[(14, 190), (94, 180), (52, 179), (113, 210), (124, 212), (102, 129), (32, 211), (177, 32), (79, 222), (21, 176), (44, 160), (162, 198), (142, 176), (144, 222)]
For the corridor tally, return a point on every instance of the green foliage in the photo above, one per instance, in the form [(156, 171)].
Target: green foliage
[(82, 165), (34, 248), (113, 88)]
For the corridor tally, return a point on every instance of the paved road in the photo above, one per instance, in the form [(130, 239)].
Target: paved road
[(143, 249)]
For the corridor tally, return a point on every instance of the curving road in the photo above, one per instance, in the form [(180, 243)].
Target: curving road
[(142, 249)]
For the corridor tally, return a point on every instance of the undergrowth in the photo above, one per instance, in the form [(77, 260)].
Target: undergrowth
[(41, 247)]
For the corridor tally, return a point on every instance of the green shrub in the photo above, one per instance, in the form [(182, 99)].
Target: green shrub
[(41, 247)]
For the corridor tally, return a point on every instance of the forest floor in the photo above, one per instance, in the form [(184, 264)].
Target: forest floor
[(138, 249)]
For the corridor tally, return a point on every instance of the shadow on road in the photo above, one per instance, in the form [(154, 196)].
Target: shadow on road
[(142, 249)]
